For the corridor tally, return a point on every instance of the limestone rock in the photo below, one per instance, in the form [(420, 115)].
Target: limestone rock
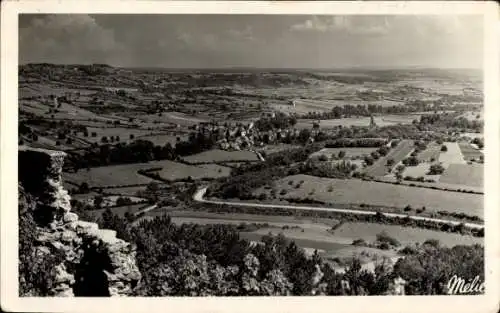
[(60, 231)]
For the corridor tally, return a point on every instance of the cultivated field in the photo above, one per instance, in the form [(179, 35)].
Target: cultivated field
[(127, 174), (217, 155), (468, 152), (269, 149), (431, 153), (121, 132), (174, 118), (349, 152), (161, 140), (379, 168), (110, 175), (473, 135), (464, 174), (453, 155), (353, 191), (405, 235), (473, 115), (173, 170), (415, 171)]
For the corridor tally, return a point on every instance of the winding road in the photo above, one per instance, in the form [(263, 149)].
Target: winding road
[(200, 193)]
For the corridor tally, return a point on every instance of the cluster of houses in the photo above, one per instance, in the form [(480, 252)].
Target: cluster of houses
[(244, 137)]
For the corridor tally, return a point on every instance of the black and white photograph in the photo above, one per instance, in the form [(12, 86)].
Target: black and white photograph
[(244, 155)]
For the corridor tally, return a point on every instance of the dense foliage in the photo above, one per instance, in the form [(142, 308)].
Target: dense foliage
[(199, 260)]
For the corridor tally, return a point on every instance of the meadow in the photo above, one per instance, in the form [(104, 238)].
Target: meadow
[(453, 155), (217, 155), (405, 235), (163, 139), (114, 175), (468, 152), (353, 191), (430, 153), (173, 170), (127, 174), (349, 152), (379, 168), (464, 174)]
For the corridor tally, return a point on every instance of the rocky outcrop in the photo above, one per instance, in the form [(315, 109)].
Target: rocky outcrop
[(95, 262)]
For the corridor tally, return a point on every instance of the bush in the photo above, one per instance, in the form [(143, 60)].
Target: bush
[(384, 237), (432, 242), (436, 169), (444, 148), (407, 208), (283, 192), (408, 250), (384, 246), (359, 242), (323, 158)]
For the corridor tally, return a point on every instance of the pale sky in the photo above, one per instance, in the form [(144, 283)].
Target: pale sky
[(267, 41)]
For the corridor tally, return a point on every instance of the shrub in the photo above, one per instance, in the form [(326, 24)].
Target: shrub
[(436, 169), (432, 242), (444, 148), (359, 242), (407, 208), (323, 158), (290, 182), (384, 237), (283, 192), (408, 250), (384, 246)]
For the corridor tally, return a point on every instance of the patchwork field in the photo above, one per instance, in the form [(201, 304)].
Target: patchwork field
[(473, 135), (473, 116), (121, 132), (173, 170), (161, 140), (468, 152), (175, 118), (269, 149), (352, 191), (431, 153), (217, 155), (464, 174), (453, 155), (349, 152), (405, 235), (379, 168), (110, 175), (127, 174), (415, 171)]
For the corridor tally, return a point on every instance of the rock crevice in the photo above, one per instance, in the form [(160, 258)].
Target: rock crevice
[(95, 262)]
